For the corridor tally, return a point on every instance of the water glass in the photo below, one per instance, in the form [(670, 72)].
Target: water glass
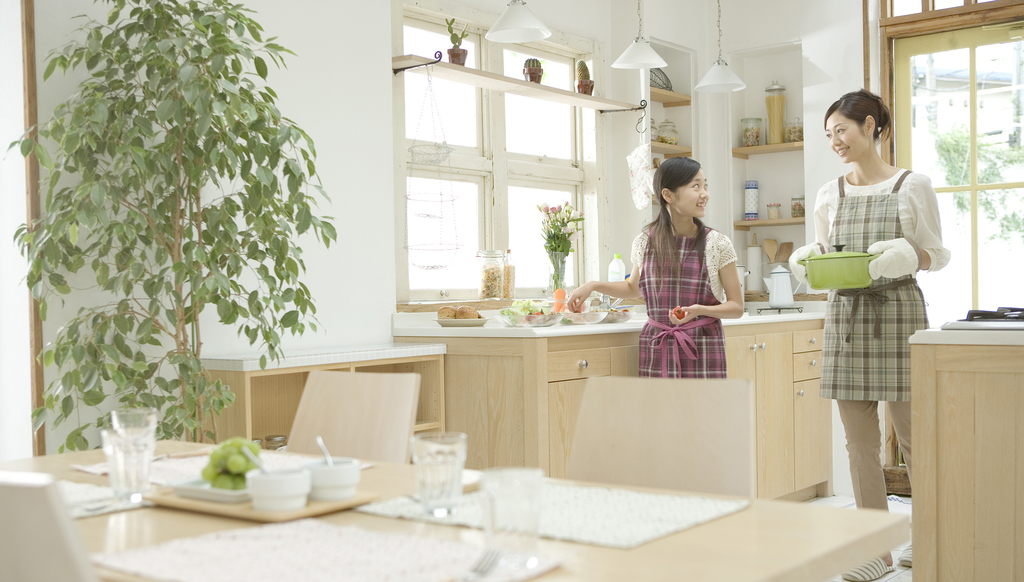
[(129, 453), (439, 459), (133, 418), (511, 509)]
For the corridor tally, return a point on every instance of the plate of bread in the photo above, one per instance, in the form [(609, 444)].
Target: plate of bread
[(464, 316)]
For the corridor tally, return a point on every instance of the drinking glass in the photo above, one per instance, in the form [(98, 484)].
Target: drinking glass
[(129, 452), (133, 418), (511, 508), (439, 460)]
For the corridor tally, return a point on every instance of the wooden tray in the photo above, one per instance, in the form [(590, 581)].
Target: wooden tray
[(165, 497)]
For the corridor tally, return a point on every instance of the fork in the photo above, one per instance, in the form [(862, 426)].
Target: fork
[(483, 566)]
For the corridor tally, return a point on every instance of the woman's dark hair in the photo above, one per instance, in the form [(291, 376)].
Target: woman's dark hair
[(858, 105), (671, 174)]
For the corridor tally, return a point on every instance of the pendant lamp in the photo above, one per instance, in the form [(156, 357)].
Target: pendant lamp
[(720, 78), (517, 24), (639, 55)]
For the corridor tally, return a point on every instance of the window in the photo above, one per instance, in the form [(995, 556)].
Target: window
[(509, 154)]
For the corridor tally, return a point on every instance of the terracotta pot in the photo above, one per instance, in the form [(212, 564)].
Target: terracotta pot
[(533, 74), (457, 56), (585, 87)]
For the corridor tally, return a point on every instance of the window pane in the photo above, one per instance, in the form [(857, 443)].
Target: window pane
[(525, 238), (1000, 158), (940, 4), (537, 127), (1000, 248), (904, 7), (442, 233), (452, 115), (941, 117), (948, 292)]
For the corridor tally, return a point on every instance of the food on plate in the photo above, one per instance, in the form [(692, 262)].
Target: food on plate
[(467, 312), (524, 307), (679, 312), (446, 312), (228, 465)]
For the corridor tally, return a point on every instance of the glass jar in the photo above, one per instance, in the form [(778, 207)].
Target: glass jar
[(667, 133), (491, 265), (797, 205), (508, 273), (794, 130), (775, 103), (272, 442), (774, 211), (654, 130), (751, 131)]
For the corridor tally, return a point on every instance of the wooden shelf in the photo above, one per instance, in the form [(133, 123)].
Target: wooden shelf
[(747, 224), (745, 153), (496, 82), (671, 151), (422, 426), (669, 98)]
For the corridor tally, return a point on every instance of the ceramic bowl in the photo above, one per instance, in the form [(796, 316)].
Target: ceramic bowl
[(334, 483), (278, 490)]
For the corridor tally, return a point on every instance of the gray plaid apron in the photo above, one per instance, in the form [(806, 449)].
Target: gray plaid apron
[(866, 355)]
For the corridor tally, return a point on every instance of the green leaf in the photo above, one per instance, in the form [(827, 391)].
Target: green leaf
[(165, 110), (26, 146), (187, 72), (217, 63), (43, 156), (261, 67), (290, 319), (94, 397)]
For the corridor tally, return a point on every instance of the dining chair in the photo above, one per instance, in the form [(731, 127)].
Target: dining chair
[(691, 434), (38, 542), (359, 414)]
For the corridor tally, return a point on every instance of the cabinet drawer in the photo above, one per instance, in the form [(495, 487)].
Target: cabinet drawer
[(808, 340), (806, 366), (579, 364)]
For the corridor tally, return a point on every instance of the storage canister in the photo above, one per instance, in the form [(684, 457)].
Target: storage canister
[(508, 281), (272, 442), (750, 200), (667, 133), (491, 263), (751, 131), (775, 102), (794, 130), (797, 205), (774, 211)]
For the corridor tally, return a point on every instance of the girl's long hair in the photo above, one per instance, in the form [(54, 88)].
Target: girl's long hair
[(671, 174)]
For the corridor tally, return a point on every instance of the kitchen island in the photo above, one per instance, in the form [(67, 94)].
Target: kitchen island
[(516, 391)]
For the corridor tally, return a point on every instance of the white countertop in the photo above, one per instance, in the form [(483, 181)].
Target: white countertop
[(964, 337), (249, 362), (425, 324)]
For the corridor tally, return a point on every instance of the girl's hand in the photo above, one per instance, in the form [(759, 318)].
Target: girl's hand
[(680, 315), (578, 295)]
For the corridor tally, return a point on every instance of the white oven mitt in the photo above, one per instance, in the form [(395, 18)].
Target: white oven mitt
[(802, 253), (641, 176), (898, 258)]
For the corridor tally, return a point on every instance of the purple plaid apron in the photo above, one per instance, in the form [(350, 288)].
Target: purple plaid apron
[(695, 349)]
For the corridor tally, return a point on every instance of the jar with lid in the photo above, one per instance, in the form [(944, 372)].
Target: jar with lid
[(654, 131), (667, 133), (797, 205), (272, 442), (751, 131), (491, 266), (774, 211), (794, 130), (508, 277), (775, 103)]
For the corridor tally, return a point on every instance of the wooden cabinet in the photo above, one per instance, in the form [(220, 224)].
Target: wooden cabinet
[(794, 427)]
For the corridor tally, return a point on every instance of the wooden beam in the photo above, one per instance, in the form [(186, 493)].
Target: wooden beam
[(967, 16), (867, 45)]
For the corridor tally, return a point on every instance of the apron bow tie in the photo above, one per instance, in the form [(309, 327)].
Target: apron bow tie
[(682, 338)]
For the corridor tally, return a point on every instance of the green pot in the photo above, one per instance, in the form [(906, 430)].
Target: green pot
[(839, 270)]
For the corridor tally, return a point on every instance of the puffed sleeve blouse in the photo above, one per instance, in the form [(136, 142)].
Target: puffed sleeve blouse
[(718, 252)]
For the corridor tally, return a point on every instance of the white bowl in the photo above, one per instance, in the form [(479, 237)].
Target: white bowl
[(278, 490), (334, 483)]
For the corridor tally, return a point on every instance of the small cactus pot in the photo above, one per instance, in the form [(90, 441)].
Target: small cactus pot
[(585, 87), (457, 56), (533, 74)]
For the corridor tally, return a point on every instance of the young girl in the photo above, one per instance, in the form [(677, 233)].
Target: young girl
[(679, 264)]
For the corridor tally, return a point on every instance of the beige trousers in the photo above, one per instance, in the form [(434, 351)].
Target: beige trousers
[(864, 443)]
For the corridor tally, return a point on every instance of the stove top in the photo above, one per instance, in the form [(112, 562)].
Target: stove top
[(1012, 313), (1003, 318)]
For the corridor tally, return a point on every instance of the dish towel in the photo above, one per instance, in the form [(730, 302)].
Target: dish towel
[(87, 500), (641, 175), (309, 550), (617, 518)]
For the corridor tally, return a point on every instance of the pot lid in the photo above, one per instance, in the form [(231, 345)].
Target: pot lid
[(838, 254)]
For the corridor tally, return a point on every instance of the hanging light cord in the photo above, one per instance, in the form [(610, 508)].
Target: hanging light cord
[(720, 61), (640, 31)]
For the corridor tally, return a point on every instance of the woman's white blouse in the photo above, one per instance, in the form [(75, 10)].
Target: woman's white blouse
[(718, 253), (918, 213)]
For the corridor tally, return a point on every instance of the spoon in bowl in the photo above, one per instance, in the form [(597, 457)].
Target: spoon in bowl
[(323, 449), (255, 460)]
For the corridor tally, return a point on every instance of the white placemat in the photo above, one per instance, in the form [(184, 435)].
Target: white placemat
[(617, 518), (175, 470), (308, 550), (86, 499)]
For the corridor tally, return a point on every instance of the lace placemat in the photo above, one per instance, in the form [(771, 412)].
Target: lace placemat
[(617, 518), (170, 470), (308, 550), (87, 500)]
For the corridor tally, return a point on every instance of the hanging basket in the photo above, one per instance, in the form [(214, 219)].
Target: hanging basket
[(660, 80), (432, 257), (429, 205), (430, 154)]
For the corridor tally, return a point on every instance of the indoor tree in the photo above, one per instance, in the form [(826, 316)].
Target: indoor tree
[(173, 184)]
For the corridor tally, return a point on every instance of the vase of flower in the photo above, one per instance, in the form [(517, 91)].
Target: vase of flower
[(557, 280), (561, 226)]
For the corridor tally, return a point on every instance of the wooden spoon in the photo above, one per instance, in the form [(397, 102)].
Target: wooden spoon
[(771, 247), (785, 249)]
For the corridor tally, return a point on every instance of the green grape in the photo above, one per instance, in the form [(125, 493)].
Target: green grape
[(219, 457), (224, 481), (253, 448), (239, 482), (210, 472), (237, 464)]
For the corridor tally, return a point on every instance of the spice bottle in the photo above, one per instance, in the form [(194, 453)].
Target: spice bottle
[(751, 131), (775, 102), (508, 279), (491, 266)]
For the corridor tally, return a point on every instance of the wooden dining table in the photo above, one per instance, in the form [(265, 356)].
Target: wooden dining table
[(766, 542)]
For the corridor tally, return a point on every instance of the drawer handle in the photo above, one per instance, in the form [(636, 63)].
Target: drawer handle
[(753, 347), (814, 340), (582, 364), (814, 363), (764, 347), (800, 393)]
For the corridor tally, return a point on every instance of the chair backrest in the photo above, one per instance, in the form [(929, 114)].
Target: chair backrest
[(694, 435), (38, 543), (358, 414)]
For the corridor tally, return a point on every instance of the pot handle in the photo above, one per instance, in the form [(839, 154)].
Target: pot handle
[(873, 257)]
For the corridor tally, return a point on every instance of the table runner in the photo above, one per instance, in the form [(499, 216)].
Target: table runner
[(617, 518), (308, 550)]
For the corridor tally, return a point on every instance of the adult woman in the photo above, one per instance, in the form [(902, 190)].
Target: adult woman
[(679, 263), (876, 208)]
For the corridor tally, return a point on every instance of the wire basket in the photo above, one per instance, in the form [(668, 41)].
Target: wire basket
[(432, 257), (430, 154), (660, 80)]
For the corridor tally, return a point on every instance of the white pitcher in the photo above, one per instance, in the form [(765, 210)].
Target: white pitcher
[(780, 288)]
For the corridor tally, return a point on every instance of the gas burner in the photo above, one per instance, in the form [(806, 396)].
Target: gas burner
[(779, 310), (1002, 313)]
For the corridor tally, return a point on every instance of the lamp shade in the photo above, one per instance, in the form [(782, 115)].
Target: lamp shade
[(517, 24), (720, 79), (639, 55)]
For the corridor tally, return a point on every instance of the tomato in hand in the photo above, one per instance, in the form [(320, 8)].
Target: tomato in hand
[(679, 313)]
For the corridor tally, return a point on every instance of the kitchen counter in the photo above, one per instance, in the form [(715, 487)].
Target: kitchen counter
[(968, 337)]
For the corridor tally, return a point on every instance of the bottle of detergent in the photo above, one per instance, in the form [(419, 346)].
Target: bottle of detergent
[(616, 269)]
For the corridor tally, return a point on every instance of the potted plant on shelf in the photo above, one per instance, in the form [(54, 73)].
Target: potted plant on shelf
[(457, 54), (532, 70), (174, 185), (584, 84)]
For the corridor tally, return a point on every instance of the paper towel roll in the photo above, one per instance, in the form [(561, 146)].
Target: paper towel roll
[(754, 282)]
